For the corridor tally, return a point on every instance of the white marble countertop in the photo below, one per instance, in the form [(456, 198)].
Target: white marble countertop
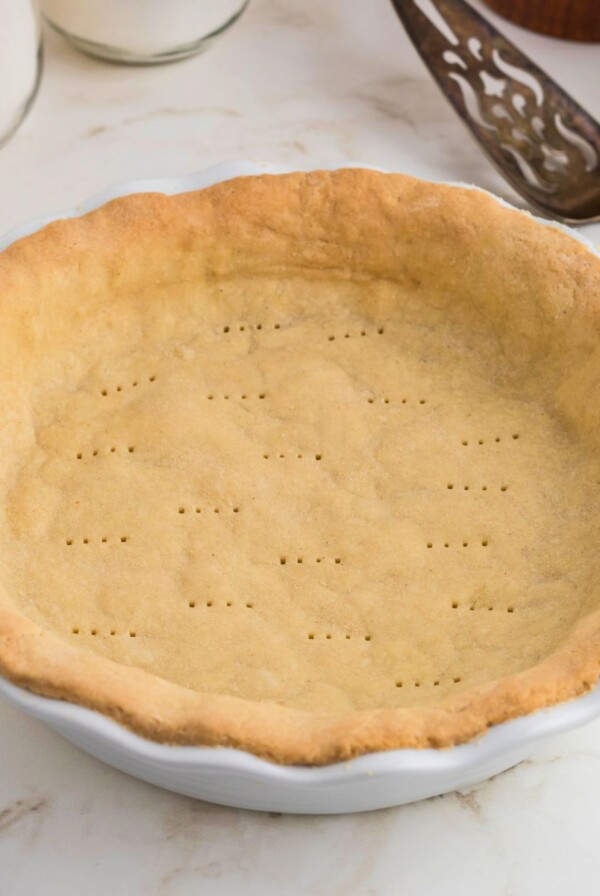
[(299, 82)]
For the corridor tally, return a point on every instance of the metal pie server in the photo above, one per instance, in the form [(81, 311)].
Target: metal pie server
[(542, 141)]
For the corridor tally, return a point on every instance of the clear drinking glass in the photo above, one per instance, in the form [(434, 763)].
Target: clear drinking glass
[(141, 32), (20, 62)]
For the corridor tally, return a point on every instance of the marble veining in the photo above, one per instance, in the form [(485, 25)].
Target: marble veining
[(12, 814)]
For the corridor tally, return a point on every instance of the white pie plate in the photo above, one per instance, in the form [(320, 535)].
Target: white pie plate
[(235, 778)]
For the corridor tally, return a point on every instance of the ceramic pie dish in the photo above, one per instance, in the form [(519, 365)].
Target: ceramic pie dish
[(304, 467)]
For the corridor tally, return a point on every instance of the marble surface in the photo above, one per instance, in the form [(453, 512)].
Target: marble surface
[(299, 82)]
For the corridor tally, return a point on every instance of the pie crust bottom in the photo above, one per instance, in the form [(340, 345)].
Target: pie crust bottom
[(306, 465)]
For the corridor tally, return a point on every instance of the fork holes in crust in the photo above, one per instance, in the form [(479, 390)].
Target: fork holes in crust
[(456, 605), (418, 682), (302, 559), (120, 387), (183, 509), (227, 396), (212, 604), (97, 632), (328, 636), (349, 334), (387, 400), (482, 441)]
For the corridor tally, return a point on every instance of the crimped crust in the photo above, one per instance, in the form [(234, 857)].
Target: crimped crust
[(306, 465)]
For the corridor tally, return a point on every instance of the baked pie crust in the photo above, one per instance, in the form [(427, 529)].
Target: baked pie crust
[(306, 465)]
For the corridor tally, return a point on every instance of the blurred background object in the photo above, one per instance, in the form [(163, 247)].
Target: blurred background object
[(142, 32), (570, 19), (20, 62)]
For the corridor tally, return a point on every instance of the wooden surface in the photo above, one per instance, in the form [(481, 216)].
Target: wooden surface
[(569, 19)]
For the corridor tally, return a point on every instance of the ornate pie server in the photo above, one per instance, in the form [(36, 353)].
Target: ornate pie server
[(542, 141)]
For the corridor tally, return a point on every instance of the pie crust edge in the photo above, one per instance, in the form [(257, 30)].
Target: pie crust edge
[(233, 211)]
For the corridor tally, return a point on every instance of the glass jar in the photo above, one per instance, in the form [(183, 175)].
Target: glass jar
[(20, 62), (141, 32)]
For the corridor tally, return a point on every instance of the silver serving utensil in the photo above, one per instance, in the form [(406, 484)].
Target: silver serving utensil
[(544, 144)]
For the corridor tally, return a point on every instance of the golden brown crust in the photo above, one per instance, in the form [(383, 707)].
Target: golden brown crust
[(537, 289)]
